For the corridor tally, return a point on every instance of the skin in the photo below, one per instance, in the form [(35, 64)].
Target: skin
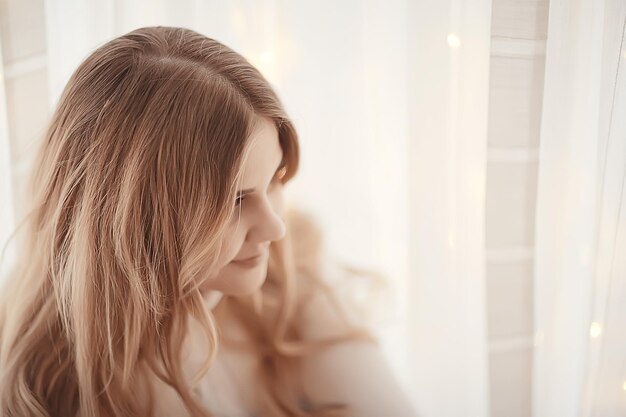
[(258, 219), (353, 372)]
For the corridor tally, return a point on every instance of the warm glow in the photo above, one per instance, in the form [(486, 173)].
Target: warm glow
[(266, 57), (265, 62), (238, 21), (454, 41), (594, 330), (624, 386), (451, 241)]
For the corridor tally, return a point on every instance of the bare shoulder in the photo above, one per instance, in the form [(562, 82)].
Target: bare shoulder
[(353, 371)]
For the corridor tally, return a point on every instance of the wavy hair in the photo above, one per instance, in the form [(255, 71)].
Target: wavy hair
[(132, 189)]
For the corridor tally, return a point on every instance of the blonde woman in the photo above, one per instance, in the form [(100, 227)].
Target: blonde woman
[(161, 273)]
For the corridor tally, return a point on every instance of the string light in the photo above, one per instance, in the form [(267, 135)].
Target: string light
[(266, 62), (453, 40), (238, 21), (594, 330), (451, 241), (266, 58)]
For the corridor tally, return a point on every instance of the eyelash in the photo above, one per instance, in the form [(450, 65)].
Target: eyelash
[(238, 200)]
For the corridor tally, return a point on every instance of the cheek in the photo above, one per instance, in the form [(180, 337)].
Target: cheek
[(231, 246)]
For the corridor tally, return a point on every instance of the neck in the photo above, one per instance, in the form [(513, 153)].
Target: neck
[(212, 298)]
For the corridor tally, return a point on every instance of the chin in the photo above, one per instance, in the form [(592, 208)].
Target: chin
[(242, 281)]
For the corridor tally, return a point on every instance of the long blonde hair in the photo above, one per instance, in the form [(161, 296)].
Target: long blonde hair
[(132, 190)]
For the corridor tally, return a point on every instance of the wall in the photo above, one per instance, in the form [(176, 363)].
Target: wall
[(519, 31)]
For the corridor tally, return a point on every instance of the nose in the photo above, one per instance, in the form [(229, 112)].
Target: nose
[(268, 224)]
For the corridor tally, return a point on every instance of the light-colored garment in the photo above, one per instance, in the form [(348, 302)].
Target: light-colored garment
[(219, 392), (222, 391), (225, 389)]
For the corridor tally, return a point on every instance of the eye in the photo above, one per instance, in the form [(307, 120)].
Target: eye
[(277, 178)]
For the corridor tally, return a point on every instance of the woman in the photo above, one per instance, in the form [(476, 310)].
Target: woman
[(161, 273)]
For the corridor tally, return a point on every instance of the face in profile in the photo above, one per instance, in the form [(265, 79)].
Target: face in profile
[(258, 217)]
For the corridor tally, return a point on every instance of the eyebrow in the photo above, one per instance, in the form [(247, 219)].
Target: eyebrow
[(246, 191)]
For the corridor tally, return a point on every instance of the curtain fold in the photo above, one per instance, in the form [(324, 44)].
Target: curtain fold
[(580, 267), (449, 61)]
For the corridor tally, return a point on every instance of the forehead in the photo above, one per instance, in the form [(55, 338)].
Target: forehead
[(264, 152)]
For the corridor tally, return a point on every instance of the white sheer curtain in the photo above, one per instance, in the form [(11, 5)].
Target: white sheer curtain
[(449, 54), (390, 101), (580, 267)]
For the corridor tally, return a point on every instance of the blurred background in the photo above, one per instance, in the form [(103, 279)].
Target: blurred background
[(473, 152)]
